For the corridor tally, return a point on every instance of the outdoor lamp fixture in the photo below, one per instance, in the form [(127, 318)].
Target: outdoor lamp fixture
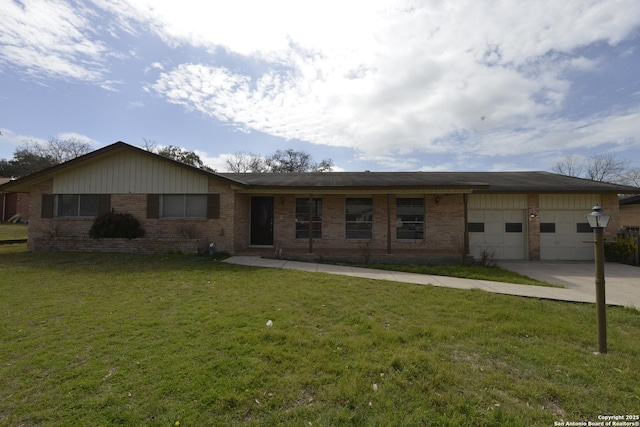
[(533, 214), (598, 220)]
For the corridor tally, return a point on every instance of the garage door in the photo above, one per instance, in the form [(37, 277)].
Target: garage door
[(497, 232), (563, 234)]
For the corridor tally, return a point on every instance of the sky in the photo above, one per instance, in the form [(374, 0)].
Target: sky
[(438, 85)]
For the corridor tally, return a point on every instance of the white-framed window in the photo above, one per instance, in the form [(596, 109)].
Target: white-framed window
[(359, 218), (184, 205), (308, 217), (410, 218), (78, 205)]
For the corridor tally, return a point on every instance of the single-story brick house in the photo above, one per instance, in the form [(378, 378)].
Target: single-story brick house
[(423, 215)]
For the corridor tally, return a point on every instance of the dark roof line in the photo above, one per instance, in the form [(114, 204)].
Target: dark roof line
[(478, 182)]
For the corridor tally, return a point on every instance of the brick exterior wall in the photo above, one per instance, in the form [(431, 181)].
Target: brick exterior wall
[(611, 206), (161, 235), (39, 227), (630, 216), (533, 230), (241, 211), (143, 245), (444, 241), (444, 227)]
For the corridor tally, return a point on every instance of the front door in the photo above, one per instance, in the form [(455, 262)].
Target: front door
[(262, 221)]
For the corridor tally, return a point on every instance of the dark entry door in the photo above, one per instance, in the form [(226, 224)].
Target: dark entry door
[(262, 221)]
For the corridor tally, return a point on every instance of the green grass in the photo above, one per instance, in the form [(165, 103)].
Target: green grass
[(464, 271), (10, 231), (113, 339)]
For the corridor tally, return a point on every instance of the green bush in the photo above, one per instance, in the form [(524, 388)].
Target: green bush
[(116, 225), (622, 250)]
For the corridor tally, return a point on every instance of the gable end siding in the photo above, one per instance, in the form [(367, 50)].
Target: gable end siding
[(130, 173)]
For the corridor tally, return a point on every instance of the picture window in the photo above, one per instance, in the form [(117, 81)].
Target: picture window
[(184, 206), (79, 205)]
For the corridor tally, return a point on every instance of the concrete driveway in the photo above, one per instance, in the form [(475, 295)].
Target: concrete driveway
[(622, 282)]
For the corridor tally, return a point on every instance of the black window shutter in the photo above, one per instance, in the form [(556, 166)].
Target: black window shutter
[(47, 206), (213, 206), (153, 206), (104, 203)]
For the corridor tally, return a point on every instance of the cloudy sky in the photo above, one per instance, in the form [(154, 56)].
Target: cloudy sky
[(379, 85)]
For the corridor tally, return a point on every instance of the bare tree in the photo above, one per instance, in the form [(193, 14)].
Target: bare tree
[(66, 149), (149, 145), (606, 167), (631, 177), (246, 162), (291, 160), (599, 167), (570, 166), (59, 149), (33, 156), (288, 160)]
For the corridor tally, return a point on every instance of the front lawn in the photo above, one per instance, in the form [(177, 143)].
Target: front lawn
[(121, 339), (464, 271), (10, 231)]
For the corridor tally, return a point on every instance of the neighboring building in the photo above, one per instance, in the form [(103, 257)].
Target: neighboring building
[(424, 216), (13, 205), (630, 211)]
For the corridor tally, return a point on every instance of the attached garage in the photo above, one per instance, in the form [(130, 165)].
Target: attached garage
[(532, 226), (564, 231), (497, 226)]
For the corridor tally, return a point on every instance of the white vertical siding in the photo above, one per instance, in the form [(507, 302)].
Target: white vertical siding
[(498, 201), (569, 201), (129, 172)]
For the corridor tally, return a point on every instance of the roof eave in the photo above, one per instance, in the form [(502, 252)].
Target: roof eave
[(289, 189)]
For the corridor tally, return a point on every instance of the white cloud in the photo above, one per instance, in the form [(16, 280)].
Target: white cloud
[(389, 80), (386, 78), (563, 134), (217, 163), (9, 141), (77, 137), (52, 39)]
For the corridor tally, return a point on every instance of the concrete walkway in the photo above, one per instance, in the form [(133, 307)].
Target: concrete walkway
[(622, 281)]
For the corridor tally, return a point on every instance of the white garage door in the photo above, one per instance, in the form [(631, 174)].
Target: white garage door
[(563, 234), (498, 232)]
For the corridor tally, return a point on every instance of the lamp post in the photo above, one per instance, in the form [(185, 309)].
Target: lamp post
[(598, 220)]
